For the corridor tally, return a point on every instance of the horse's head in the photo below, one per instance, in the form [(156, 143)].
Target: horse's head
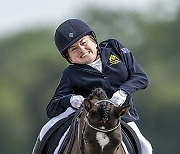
[(103, 123), (101, 110)]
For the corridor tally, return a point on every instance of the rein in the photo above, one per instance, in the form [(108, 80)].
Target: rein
[(102, 130)]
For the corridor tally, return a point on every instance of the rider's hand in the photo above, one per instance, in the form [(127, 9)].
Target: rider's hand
[(119, 97), (76, 101)]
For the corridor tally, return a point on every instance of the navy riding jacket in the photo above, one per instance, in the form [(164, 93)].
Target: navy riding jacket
[(120, 70)]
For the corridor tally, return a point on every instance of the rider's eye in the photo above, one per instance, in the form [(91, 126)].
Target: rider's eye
[(84, 43), (73, 49)]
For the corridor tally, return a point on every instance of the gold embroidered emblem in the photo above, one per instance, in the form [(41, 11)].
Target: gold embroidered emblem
[(113, 60)]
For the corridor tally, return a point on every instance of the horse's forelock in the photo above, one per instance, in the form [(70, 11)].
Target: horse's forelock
[(105, 111), (100, 93)]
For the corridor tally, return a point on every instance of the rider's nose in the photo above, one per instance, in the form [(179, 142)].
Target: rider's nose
[(81, 48)]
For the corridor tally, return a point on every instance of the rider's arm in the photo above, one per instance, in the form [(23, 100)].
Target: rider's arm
[(137, 78), (61, 99)]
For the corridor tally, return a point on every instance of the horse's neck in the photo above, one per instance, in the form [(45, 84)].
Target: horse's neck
[(120, 150), (78, 136)]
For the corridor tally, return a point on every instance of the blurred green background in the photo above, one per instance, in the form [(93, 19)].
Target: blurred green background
[(30, 69)]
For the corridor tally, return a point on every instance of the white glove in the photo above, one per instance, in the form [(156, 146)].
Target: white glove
[(119, 97), (76, 101)]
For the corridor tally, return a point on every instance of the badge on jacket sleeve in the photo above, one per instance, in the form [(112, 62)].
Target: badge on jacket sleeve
[(113, 60), (125, 50)]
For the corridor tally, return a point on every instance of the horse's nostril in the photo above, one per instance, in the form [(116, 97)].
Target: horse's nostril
[(117, 148), (105, 119)]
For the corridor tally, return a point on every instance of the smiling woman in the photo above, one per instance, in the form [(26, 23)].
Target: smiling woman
[(108, 65), (84, 51)]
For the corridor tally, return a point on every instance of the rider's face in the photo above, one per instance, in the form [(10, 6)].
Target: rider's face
[(84, 51)]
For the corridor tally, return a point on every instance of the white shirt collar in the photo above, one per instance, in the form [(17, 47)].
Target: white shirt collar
[(97, 64)]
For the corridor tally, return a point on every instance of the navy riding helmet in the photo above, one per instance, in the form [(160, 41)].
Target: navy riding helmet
[(69, 32)]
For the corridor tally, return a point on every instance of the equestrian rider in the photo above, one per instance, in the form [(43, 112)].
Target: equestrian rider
[(108, 65)]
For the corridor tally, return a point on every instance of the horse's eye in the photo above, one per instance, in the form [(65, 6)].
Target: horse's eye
[(85, 141)]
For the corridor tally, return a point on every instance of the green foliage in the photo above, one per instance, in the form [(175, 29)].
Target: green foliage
[(31, 67)]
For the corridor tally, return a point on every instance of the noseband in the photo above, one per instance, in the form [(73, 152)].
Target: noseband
[(101, 129)]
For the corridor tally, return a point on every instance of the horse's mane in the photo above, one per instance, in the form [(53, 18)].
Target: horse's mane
[(100, 94), (105, 112)]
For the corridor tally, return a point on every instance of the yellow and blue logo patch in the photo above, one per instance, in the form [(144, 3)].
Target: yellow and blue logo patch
[(113, 60)]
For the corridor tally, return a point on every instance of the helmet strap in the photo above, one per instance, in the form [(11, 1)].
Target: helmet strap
[(98, 52)]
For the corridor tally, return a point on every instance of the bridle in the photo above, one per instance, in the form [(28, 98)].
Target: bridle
[(87, 123), (103, 130)]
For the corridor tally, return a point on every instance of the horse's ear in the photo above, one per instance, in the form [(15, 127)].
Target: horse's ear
[(121, 110), (87, 104)]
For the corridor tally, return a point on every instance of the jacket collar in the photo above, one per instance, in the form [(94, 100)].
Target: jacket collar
[(105, 52)]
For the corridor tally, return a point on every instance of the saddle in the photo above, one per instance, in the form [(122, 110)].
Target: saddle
[(51, 139), (130, 139)]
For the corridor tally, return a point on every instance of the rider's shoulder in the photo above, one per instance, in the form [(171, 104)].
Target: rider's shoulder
[(110, 43)]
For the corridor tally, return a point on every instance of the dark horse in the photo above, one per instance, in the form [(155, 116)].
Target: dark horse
[(96, 126), (102, 133)]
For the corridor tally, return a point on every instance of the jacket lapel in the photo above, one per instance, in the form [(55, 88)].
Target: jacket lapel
[(105, 52)]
